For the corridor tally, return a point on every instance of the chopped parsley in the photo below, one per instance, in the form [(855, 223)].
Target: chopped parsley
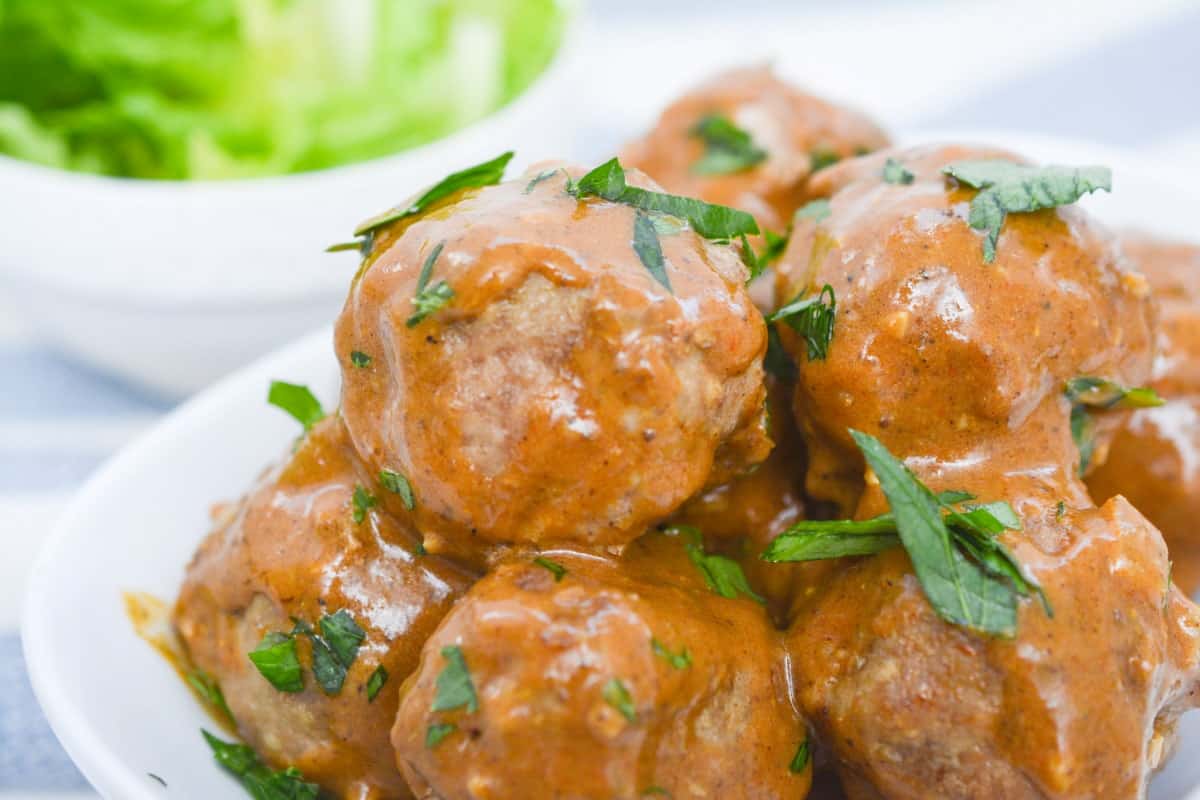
[(1008, 188), (816, 210), (396, 483), (800, 761), (545, 175), (812, 319), (723, 575), (343, 635), (617, 695), (1088, 394), (728, 148), (680, 660), (362, 502), (968, 575), (454, 686), (429, 299), (438, 731), (209, 690), (649, 248), (821, 158), (298, 401), (488, 173), (375, 682), (360, 359), (895, 172), (555, 569), (773, 246), (607, 182), (260, 782), (276, 660)]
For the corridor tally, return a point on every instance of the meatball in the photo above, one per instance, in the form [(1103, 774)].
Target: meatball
[(611, 680), (564, 394), (797, 133), (959, 366), (1153, 460), (292, 551), (935, 350)]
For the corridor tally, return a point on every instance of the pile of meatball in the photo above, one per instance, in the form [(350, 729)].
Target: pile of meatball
[(582, 442)]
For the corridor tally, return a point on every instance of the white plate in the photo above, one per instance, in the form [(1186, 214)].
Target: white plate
[(120, 711)]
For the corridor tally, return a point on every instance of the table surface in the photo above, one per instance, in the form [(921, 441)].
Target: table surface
[(1122, 74)]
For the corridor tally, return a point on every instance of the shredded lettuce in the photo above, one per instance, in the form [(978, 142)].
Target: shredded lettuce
[(211, 89)]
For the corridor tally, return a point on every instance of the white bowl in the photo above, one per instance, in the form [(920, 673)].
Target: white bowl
[(174, 283), (119, 709)]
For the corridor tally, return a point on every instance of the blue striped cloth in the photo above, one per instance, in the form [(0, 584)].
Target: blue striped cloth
[(1115, 73)]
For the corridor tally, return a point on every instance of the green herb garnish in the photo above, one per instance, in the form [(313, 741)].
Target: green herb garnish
[(821, 158), (429, 299), (895, 172), (777, 361), (728, 148), (362, 502), (454, 686), (207, 687), (607, 182), (617, 695), (375, 682), (773, 247), (800, 760), (1087, 394), (541, 176), (343, 634), (723, 575), (680, 660), (298, 401), (816, 210), (968, 575), (649, 249), (438, 731), (360, 359), (276, 660), (1008, 188), (811, 318), (260, 782), (489, 173), (396, 483), (556, 569)]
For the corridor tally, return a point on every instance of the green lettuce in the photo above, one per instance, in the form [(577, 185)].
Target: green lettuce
[(211, 89)]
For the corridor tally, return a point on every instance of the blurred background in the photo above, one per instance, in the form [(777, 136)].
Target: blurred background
[(120, 296)]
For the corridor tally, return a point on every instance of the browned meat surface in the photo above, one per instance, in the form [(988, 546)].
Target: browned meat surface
[(546, 656), (1154, 460), (290, 549), (563, 394), (959, 367)]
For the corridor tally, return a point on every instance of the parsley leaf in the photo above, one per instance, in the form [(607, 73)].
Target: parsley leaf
[(1008, 188), (895, 172), (545, 175), (617, 695), (429, 299), (396, 483), (816, 210), (438, 731), (728, 148), (723, 575), (327, 668), (276, 660), (556, 569), (363, 501), (680, 660), (800, 760), (773, 247), (607, 182), (360, 359), (812, 318), (1087, 394), (821, 158), (488, 173), (298, 401), (649, 249), (454, 686), (375, 682), (207, 687), (259, 781), (343, 634)]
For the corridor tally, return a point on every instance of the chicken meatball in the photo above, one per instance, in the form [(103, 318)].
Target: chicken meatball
[(292, 553), (1154, 460), (959, 365), (564, 393), (795, 134), (932, 346), (598, 679)]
